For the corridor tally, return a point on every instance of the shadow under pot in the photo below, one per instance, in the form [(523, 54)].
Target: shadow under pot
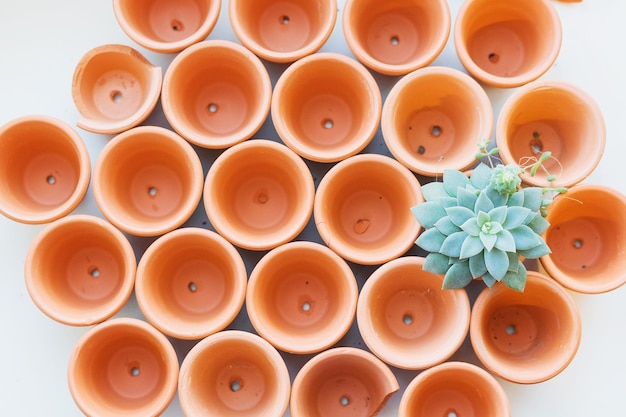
[(190, 283), (302, 297), (259, 194), (360, 208), (44, 169), (123, 367), (282, 30), (216, 94), (233, 374), (147, 181), (526, 337), (114, 88)]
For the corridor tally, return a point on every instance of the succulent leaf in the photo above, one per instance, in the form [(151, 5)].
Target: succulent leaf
[(497, 262), (513, 261), (480, 176), (489, 241), (488, 280), (515, 216), (525, 238), (434, 191), (428, 213), (471, 227), (498, 214), (517, 199), (538, 224), (445, 226), (535, 252), (451, 246), (471, 246), (477, 265), (458, 276), (496, 198), (453, 180), (466, 198), (516, 280), (431, 240), (505, 241), (459, 215), (436, 263), (483, 203), (532, 198)]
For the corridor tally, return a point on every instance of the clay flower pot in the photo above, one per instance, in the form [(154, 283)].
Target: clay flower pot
[(396, 37), (147, 181), (190, 283), (361, 210), (44, 169), (233, 374), (123, 367), (407, 320), (259, 194), (507, 44), (282, 31), (301, 297), (433, 118), (587, 236), (164, 26), (80, 270), (216, 94), (342, 382), (553, 116), (326, 107), (114, 88), (526, 337), (454, 389)]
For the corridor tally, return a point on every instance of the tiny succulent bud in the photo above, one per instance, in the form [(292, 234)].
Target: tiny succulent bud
[(505, 179)]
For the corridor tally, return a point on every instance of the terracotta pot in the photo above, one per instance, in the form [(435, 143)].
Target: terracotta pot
[(587, 236), (396, 37), (342, 382), (285, 30), (80, 270), (165, 26), (123, 367), (326, 107), (259, 194), (302, 297), (361, 209), (407, 320), (552, 116), (216, 94), (147, 181), (114, 88), (44, 169), (433, 118), (233, 374), (526, 337), (191, 283), (454, 389), (507, 44)]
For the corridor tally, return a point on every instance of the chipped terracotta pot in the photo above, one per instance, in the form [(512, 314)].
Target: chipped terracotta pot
[(164, 26), (190, 283), (360, 208), (259, 194), (114, 88), (216, 94), (147, 181), (526, 337), (44, 169), (398, 36), (507, 44), (283, 30), (233, 374), (407, 320), (326, 107), (123, 367), (433, 118), (301, 297)]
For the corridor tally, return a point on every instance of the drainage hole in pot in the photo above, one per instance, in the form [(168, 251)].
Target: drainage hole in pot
[(407, 319), (421, 150), (152, 191), (306, 306), (361, 226), (451, 413), (193, 287), (344, 400), (284, 19), (235, 385), (134, 371), (94, 272), (261, 198), (327, 124), (578, 243), (493, 57), (510, 329), (212, 107), (51, 179), (394, 40), (116, 96), (436, 131), (176, 25), (535, 144)]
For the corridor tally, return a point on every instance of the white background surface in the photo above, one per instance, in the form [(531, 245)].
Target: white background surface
[(42, 40)]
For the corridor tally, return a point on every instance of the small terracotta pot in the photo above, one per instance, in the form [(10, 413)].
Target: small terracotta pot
[(259, 194), (553, 116), (433, 118), (123, 367), (114, 88), (507, 44), (44, 169), (454, 389), (525, 337), (361, 208), (285, 30), (147, 181), (165, 26), (190, 283), (302, 297), (216, 94), (396, 37), (342, 382), (233, 374), (587, 236), (80, 270), (326, 107), (407, 320)]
